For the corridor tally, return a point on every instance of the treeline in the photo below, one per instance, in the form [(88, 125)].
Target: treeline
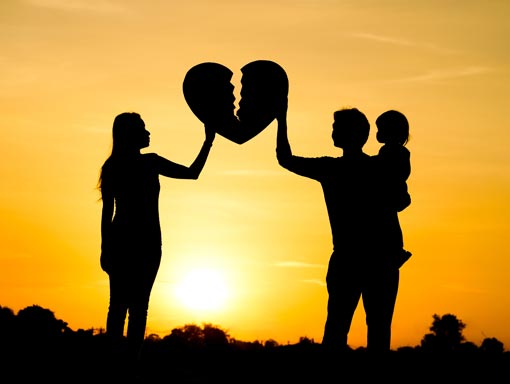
[(34, 345), (38, 327)]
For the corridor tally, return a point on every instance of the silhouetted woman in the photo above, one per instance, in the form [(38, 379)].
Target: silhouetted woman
[(130, 226)]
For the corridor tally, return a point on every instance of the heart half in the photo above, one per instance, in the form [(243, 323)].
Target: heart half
[(209, 93)]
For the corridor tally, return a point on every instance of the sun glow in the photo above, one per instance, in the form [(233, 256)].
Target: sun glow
[(203, 289)]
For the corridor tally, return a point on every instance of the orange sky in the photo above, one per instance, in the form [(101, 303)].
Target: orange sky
[(67, 67)]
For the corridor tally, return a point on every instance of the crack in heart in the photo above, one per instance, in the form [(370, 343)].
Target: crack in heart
[(209, 93)]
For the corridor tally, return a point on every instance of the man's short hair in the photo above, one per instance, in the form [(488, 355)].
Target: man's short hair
[(356, 120)]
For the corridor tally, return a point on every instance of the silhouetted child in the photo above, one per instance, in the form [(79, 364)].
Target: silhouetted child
[(393, 133)]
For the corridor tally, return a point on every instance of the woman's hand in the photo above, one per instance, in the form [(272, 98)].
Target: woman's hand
[(210, 134), (281, 112)]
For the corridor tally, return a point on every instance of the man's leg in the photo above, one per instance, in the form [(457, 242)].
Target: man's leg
[(343, 297), (379, 299)]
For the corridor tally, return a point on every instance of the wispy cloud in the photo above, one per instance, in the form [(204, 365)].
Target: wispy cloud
[(321, 283), (382, 39), (402, 42), (297, 264), (250, 172), (445, 74), (98, 6), (300, 264)]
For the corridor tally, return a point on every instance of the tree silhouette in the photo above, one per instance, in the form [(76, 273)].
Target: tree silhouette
[(270, 343), (193, 337), (39, 323), (153, 338), (492, 345), (7, 326), (446, 334), (215, 337), (190, 335)]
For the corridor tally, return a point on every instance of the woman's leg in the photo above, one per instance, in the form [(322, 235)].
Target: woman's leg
[(143, 281), (118, 306)]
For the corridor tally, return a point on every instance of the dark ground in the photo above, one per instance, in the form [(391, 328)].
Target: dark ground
[(279, 365)]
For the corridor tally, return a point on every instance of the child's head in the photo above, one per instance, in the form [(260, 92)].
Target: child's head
[(392, 128)]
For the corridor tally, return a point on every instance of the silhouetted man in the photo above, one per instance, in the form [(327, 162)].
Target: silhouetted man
[(365, 231)]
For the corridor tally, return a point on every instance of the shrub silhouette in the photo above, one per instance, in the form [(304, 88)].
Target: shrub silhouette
[(193, 338), (492, 345), (7, 325), (39, 324), (446, 334)]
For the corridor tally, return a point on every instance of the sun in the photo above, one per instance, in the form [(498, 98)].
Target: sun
[(203, 289)]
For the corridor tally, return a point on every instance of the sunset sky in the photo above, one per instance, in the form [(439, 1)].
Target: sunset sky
[(254, 231)]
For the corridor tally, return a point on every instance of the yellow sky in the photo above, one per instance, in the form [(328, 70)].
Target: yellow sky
[(67, 67)]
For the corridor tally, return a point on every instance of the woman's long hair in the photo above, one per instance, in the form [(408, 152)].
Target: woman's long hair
[(123, 134)]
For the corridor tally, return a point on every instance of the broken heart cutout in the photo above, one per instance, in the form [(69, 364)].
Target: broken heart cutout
[(209, 93)]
